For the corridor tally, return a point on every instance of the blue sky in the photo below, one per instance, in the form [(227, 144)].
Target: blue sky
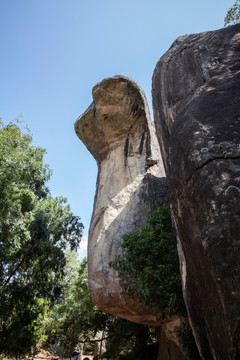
[(54, 51)]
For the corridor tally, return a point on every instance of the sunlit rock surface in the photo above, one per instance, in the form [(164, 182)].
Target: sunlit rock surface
[(119, 132), (196, 100)]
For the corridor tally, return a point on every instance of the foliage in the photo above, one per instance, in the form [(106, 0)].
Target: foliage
[(232, 17), (74, 319), (130, 341), (35, 230), (149, 271), (149, 267)]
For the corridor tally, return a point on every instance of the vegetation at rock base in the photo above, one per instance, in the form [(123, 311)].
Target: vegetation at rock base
[(130, 341), (35, 231), (149, 271), (75, 320), (149, 266), (232, 17)]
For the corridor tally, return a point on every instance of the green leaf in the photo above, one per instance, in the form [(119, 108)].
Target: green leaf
[(149, 267)]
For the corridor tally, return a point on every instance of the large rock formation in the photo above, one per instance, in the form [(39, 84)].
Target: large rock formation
[(196, 99), (119, 132)]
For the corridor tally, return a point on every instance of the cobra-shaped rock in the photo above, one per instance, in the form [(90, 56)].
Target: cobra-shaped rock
[(119, 132), (196, 100)]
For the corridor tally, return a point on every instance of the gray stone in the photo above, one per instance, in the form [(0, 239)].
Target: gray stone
[(196, 100)]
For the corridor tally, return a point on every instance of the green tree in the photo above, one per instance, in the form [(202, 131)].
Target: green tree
[(130, 341), (74, 319), (35, 230), (232, 17), (149, 267)]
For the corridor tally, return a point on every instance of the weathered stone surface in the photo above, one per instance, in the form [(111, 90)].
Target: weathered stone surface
[(196, 100), (119, 132)]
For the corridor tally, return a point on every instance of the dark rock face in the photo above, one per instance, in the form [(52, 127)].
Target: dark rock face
[(196, 100)]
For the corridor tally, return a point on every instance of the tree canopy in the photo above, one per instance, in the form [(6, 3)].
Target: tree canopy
[(74, 319), (35, 230), (232, 17)]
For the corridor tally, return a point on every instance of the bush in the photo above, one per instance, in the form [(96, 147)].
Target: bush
[(149, 267)]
